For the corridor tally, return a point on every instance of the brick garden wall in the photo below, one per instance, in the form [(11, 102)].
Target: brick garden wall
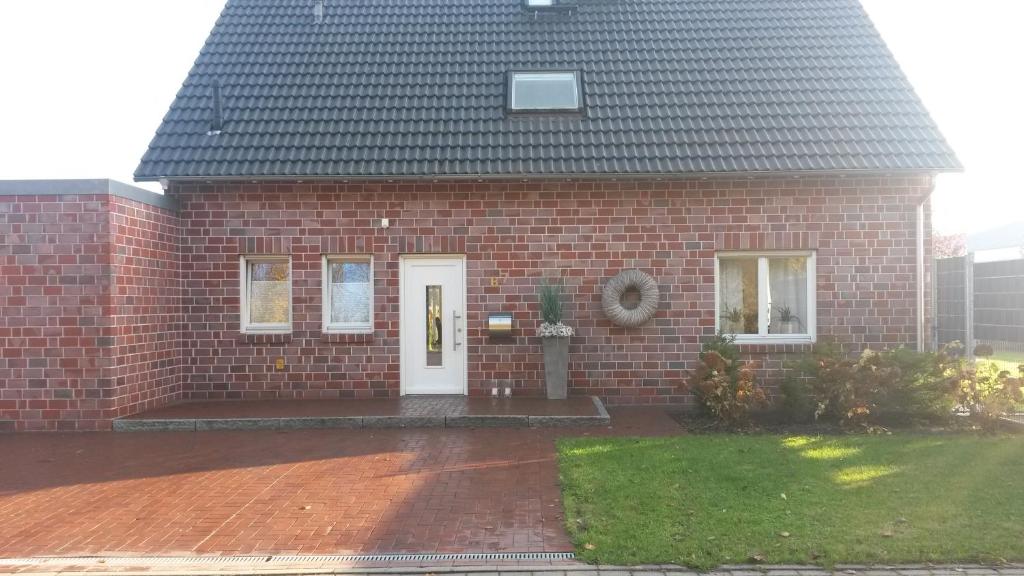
[(147, 289), (72, 355), (55, 329), (516, 233)]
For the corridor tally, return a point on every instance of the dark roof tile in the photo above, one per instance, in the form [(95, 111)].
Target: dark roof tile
[(417, 88)]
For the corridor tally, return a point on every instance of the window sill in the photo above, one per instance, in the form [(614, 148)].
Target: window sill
[(347, 337), (362, 329), (264, 337), (763, 341)]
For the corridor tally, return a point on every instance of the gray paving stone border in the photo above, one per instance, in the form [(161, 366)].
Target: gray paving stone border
[(567, 421), (318, 422), (487, 421), (351, 422), (403, 421), (154, 425), (236, 424)]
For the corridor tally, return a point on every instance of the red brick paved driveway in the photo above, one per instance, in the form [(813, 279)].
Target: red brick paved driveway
[(303, 492)]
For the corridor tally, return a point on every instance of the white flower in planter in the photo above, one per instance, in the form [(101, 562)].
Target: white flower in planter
[(559, 330)]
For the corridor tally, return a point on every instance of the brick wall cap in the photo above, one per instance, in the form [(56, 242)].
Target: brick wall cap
[(85, 187)]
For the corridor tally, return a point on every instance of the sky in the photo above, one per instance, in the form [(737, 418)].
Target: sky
[(84, 84)]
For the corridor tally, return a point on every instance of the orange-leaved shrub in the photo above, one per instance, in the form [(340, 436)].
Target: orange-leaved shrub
[(724, 385)]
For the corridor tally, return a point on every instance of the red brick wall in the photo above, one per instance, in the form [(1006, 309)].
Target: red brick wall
[(514, 234), (146, 366), (70, 266), (110, 306)]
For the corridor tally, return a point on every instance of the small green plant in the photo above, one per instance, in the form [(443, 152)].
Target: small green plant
[(724, 345), (786, 314), (724, 385), (734, 315), (550, 295), (785, 321)]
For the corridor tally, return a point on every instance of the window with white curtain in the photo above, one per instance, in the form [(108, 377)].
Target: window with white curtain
[(766, 297), (348, 294), (266, 294)]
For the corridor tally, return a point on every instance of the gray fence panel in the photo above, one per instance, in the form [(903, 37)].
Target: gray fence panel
[(999, 302), (951, 299)]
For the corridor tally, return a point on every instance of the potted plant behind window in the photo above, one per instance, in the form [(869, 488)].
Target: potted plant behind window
[(789, 323), (555, 337), (734, 323)]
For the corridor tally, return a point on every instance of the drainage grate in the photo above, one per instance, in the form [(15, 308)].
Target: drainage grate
[(301, 559)]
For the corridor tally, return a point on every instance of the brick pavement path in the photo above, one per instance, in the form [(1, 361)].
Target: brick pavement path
[(300, 492)]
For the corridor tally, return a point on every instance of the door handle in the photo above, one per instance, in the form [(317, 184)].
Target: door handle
[(455, 331)]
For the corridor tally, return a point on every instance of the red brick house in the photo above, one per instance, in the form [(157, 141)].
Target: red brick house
[(336, 172)]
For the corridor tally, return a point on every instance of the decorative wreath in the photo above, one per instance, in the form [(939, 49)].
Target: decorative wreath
[(629, 280)]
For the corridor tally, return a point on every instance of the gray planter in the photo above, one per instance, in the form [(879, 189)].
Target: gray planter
[(790, 327), (556, 367)]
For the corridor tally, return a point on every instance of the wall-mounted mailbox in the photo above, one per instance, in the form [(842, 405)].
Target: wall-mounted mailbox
[(499, 324)]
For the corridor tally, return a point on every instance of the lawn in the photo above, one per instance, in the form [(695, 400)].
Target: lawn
[(1007, 361), (709, 500)]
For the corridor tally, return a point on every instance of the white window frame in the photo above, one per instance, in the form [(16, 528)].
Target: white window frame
[(763, 337), (343, 327), (513, 75), (248, 327)]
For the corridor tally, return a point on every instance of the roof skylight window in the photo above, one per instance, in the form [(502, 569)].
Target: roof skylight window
[(537, 91), (538, 6)]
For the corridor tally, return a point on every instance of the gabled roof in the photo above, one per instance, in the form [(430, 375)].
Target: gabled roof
[(417, 88)]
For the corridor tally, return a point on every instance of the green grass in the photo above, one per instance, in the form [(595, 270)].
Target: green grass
[(704, 501), (1008, 361)]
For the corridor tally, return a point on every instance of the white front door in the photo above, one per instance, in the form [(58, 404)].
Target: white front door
[(433, 302)]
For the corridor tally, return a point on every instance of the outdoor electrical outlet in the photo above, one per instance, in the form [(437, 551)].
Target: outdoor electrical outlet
[(508, 392), (279, 364), (494, 391)]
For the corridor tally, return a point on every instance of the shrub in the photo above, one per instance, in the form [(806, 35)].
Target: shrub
[(725, 386), (896, 385), (826, 383), (797, 406), (984, 350), (986, 393), (910, 386)]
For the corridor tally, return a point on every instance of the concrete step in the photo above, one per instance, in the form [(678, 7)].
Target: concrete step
[(136, 424)]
